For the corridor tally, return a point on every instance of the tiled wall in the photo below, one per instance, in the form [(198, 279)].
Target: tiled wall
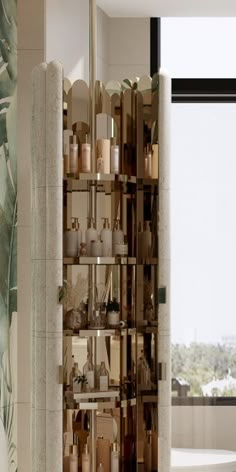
[(30, 52)]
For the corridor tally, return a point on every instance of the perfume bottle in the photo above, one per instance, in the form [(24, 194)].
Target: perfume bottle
[(89, 372), (106, 238), (103, 377)]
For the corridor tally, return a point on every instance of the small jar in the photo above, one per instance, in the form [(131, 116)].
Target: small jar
[(121, 249), (83, 249), (113, 318)]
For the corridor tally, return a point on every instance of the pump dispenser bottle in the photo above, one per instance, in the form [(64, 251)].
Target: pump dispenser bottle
[(91, 235), (106, 238), (71, 239), (114, 458), (118, 235), (74, 157), (86, 156), (86, 459)]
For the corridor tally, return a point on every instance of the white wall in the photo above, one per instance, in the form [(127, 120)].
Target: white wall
[(129, 48)]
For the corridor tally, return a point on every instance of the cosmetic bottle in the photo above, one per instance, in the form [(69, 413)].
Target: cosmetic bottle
[(155, 161), (74, 156), (73, 458), (103, 377), (86, 156), (66, 153), (100, 164), (147, 452), (114, 458), (106, 238), (89, 372), (71, 239), (117, 236), (103, 151), (100, 468), (96, 248), (121, 249), (146, 240), (115, 157), (91, 235), (85, 459), (104, 453)]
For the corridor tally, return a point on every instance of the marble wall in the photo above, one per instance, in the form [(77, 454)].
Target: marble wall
[(8, 235)]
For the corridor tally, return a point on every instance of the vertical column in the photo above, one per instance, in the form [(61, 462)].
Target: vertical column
[(54, 265), (38, 148), (164, 340)]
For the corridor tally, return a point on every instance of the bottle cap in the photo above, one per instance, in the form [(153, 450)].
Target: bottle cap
[(91, 222), (114, 447), (106, 224), (117, 223), (74, 224), (74, 449)]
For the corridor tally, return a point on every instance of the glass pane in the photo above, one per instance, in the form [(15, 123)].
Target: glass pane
[(203, 244), (198, 47)]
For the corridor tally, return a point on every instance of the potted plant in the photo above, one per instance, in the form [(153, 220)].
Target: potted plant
[(79, 384)]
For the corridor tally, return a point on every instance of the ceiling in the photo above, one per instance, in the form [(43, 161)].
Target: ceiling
[(159, 8)]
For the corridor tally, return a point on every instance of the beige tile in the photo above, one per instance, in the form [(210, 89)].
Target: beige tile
[(30, 19), (26, 61)]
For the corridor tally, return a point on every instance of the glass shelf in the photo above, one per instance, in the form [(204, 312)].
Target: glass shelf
[(98, 177), (104, 405), (94, 395), (117, 260), (108, 332), (85, 260)]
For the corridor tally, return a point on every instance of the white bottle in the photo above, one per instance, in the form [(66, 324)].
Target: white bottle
[(146, 240), (117, 236), (91, 235), (89, 372), (103, 378), (86, 156), (71, 239), (74, 156), (96, 248), (114, 458), (85, 459), (103, 151), (100, 164), (115, 157), (106, 238), (73, 459)]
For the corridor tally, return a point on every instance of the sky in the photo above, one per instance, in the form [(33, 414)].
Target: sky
[(203, 187)]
